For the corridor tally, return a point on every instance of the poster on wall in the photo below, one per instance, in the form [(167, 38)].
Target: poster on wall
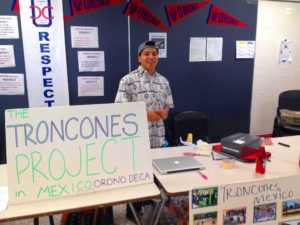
[(84, 37), (245, 49), (7, 56), (11, 84), (73, 150), (161, 42), (214, 49), (268, 202), (90, 86), (197, 49), (44, 52), (285, 54), (91, 61), (9, 27)]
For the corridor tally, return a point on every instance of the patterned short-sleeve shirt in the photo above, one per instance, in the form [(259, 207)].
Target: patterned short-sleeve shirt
[(154, 90)]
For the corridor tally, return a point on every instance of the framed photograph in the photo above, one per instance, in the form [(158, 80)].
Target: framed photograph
[(209, 218), (204, 197), (290, 208), (234, 216), (290, 222), (264, 212)]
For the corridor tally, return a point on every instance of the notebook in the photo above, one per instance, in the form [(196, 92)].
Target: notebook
[(176, 164)]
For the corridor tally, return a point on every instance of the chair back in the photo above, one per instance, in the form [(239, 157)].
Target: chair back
[(289, 100), (190, 122)]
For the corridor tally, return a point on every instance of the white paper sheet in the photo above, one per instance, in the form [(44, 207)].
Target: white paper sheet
[(9, 27), (11, 84), (84, 37), (91, 61), (90, 86), (7, 56), (161, 41), (214, 49), (285, 55), (197, 49), (245, 49)]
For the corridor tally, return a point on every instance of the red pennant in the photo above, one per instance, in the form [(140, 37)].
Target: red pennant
[(83, 6), (15, 6), (220, 17), (68, 18), (137, 10), (180, 11)]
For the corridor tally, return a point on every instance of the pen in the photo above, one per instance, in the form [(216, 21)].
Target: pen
[(283, 144), (212, 155), (221, 158), (203, 175), (194, 154)]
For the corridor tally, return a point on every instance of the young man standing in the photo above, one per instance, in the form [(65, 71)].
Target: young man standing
[(145, 84)]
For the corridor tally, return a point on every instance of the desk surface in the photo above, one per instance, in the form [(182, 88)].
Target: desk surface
[(284, 162), (78, 202)]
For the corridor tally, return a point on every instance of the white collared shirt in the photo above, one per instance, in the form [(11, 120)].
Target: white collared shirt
[(154, 90)]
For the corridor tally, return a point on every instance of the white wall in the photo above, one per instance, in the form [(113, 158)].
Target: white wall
[(276, 20)]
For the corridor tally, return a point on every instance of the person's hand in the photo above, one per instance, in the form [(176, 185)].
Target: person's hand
[(153, 115), (163, 113)]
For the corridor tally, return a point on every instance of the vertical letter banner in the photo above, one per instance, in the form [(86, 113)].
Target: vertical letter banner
[(180, 11), (83, 6), (137, 10), (44, 52), (220, 17), (72, 150)]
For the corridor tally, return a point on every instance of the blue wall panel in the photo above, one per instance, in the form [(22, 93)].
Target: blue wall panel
[(220, 89)]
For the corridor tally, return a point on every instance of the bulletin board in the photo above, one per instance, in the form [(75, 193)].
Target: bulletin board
[(272, 201), (220, 89)]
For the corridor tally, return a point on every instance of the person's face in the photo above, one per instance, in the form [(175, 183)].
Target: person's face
[(149, 59)]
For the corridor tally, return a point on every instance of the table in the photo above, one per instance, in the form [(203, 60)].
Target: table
[(284, 162), (79, 202)]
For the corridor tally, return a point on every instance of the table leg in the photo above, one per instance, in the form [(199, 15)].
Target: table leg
[(159, 207), (36, 221), (137, 219), (51, 220)]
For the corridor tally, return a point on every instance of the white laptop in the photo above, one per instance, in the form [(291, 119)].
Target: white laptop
[(176, 164)]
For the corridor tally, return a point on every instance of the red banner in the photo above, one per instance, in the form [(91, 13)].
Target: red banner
[(180, 11), (15, 6), (220, 17), (137, 10), (83, 6)]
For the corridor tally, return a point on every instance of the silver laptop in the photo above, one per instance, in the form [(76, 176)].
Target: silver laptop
[(176, 164)]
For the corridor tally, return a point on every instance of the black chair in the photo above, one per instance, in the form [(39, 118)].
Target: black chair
[(289, 100), (190, 122)]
